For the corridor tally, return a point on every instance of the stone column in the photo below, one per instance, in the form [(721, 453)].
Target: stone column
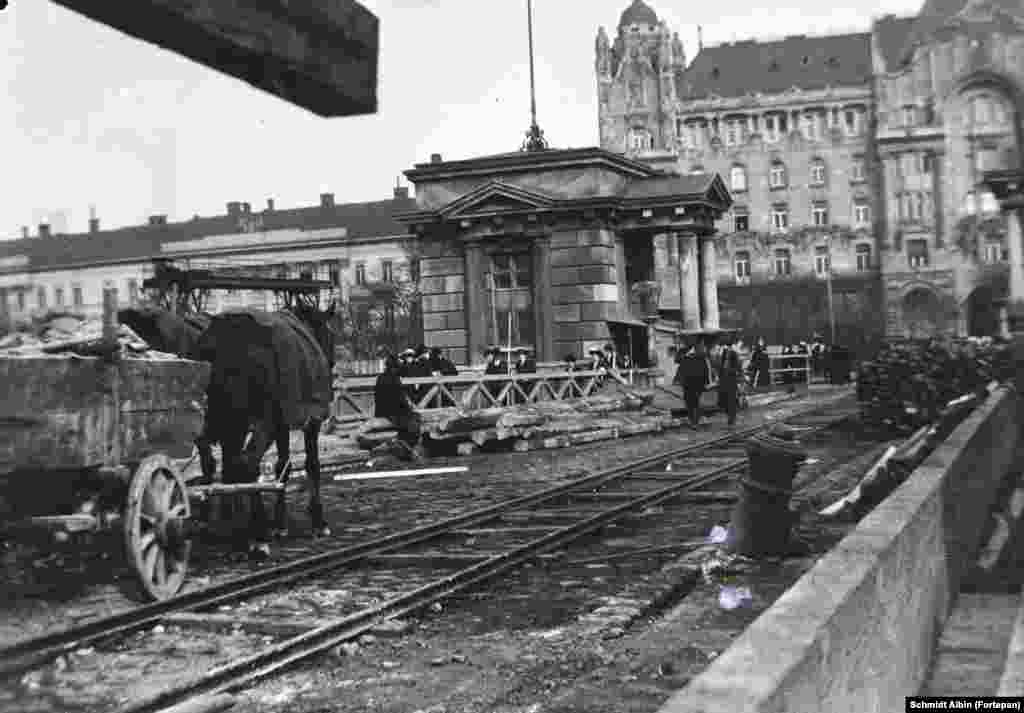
[(1016, 249), (620, 278), (477, 300), (708, 283), (543, 311), (689, 276)]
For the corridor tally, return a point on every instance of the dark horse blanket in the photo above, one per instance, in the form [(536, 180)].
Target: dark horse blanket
[(262, 360)]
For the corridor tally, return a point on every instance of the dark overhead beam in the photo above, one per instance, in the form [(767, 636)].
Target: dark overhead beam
[(318, 54)]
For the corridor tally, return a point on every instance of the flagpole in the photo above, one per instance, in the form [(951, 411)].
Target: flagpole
[(535, 140)]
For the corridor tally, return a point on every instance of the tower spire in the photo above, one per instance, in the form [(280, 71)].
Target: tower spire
[(535, 140)]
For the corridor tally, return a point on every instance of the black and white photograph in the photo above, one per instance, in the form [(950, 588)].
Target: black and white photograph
[(511, 356)]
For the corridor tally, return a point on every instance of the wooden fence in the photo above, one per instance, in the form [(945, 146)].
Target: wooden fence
[(353, 396)]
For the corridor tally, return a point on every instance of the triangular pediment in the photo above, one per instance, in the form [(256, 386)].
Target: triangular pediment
[(496, 197)]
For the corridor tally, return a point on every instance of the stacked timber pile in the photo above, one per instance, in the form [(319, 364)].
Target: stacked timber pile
[(550, 424), (70, 334), (907, 385)]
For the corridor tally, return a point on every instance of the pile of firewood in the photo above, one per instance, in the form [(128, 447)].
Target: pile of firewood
[(907, 385), (549, 424), (70, 334)]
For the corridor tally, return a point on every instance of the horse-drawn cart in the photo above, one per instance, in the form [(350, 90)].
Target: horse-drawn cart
[(88, 444)]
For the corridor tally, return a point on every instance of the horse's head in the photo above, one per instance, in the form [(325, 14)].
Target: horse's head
[(320, 324)]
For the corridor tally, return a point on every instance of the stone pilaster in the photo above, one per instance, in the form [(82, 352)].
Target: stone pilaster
[(1014, 236), (476, 300), (708, 283), (689, 275), (620, 277), (542, 306)]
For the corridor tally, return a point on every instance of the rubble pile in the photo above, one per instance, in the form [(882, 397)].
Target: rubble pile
[(549, 424), (907, 385), (70, 334)]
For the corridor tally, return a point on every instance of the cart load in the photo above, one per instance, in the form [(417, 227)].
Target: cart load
[(91, 422)]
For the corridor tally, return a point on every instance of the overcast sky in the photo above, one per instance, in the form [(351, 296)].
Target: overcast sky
[(97, 118)]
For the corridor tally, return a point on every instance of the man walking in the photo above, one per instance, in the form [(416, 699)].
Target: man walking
[(729, 375), (695, 380)]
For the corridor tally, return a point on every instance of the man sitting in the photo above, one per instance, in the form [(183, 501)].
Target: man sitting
[(391, 401)]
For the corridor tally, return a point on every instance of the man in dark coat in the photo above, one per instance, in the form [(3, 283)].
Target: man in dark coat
[(524, 364), (729, 375), (695, 380), (391, 401), (495, 366)]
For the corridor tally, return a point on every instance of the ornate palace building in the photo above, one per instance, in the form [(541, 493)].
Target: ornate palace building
[(845, 154)]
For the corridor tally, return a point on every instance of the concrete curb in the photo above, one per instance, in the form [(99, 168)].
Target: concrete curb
[(857, 632)]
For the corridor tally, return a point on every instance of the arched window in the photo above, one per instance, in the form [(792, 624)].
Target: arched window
[(777, 175), (640, 140), (738, 178), (863, 257), (818, 172)]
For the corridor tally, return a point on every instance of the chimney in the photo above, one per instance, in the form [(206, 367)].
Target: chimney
[(94, 225), (234, 208), (246, 208), (435, 158), (24, 231), (401, 191), (326, 200), (270, 204), (158, 220), (44, 230)]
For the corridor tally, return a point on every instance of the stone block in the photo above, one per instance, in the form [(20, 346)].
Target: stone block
[(575, 257), (441, 321), (580, 331), (564, 239), (583, 275), (440, 248), (433, 267), (595, 236), (446, 339), (441, 284), (568, 294), (443, 303), (566, 313), (455, 320), (598, 311)]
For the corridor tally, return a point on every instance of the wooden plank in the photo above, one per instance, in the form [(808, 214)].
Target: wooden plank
[(320, 56), (206, 491)]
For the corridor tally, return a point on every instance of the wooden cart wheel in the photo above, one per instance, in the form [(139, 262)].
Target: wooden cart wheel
[(155, 527)]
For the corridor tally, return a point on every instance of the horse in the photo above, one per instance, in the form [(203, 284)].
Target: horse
[(270, 373)]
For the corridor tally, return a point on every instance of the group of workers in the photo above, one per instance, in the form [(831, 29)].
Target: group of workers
[(696, 371)]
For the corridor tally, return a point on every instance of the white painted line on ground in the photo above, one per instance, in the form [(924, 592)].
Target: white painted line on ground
[(401, 473)]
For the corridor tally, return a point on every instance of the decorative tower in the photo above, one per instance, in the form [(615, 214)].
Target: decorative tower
[(636, 83)]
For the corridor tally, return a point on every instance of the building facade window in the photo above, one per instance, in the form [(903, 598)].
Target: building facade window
[(857, 169), (511, 271), (76, 296), (414, 270), (818, 172), (58, 296), (909, 116), (389, 318), (774, 127), (994, 252), (334, 273), (41, 297), (780, 217), (819, 214), (821, 260), (695, 131), (917, 253), (733, 132), (641, 140), (21, 300), (861, 213), (777, 175), (850, 123), (742, 264), (811, 125), (361, 273), (740, 220), (738, 178), (863, 258), (783, 265), (387, 272)]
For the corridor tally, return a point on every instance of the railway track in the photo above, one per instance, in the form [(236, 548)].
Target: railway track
[(590, 503)]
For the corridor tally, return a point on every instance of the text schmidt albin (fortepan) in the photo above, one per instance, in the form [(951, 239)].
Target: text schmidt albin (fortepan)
[(967, 703)]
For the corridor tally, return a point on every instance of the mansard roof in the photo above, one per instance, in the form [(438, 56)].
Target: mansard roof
[(809, 63), (141, 242), (891, 34)]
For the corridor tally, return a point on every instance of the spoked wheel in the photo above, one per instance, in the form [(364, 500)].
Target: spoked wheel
[(155, 527)]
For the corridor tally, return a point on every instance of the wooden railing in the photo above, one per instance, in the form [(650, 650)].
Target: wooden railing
[(353, 397)]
